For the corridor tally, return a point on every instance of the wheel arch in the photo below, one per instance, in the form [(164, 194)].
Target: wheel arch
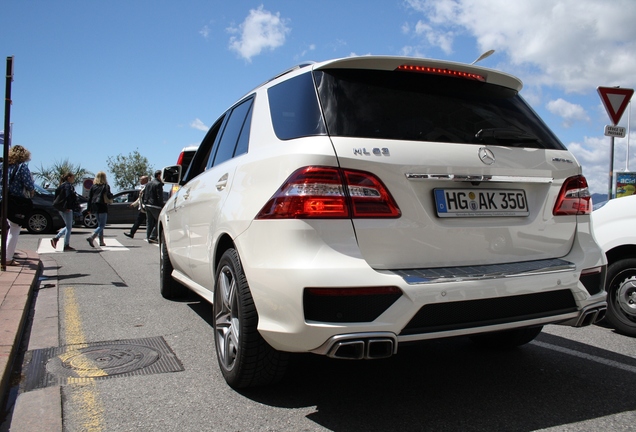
[(620, 252), (224, 243)]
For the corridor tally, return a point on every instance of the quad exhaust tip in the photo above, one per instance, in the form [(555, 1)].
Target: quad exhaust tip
[(383, 345), (591, 316), (363, 349)]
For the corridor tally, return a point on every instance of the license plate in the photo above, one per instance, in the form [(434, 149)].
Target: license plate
[(481, 202)]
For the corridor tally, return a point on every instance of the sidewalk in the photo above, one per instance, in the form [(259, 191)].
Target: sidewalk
[(17, 285)]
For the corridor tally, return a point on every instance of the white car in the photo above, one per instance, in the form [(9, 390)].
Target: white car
[(615, 231), (346, 207)]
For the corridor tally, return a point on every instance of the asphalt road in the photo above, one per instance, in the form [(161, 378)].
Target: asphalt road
[(566, 380)]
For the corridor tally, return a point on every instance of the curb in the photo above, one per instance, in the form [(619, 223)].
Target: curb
[(39, 409), (17, 285)]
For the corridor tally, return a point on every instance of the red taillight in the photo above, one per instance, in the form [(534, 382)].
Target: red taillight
[(574, 198), (440, 71), (320, 192), (180, 159)]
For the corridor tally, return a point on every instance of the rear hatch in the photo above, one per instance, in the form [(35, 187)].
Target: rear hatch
[(474, 171)]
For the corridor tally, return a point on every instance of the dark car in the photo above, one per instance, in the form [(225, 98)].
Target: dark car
[(119, 212), (45, 218)]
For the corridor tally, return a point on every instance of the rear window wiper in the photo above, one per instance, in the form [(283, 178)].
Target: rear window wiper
[(508, 136)]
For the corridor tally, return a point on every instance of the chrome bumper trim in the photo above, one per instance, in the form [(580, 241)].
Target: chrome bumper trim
[(481, 272)]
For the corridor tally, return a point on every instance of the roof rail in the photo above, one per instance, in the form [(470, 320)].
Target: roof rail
[(291, 69)]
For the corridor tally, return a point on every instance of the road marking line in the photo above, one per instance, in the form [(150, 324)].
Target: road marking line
[(590, 357), (84, 395)]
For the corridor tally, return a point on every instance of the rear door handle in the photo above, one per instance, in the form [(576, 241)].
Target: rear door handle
[(222, 183)]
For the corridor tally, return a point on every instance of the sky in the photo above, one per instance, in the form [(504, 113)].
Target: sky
[(97, 79)]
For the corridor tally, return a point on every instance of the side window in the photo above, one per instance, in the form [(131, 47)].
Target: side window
[(244, 139), (232, 132), (202, 156), (293, 105)]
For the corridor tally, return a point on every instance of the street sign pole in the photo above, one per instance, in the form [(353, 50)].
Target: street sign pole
[(615, 100), (5, 162), (611, 171)]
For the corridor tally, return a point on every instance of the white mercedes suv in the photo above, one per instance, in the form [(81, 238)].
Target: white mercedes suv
[(345, 207)]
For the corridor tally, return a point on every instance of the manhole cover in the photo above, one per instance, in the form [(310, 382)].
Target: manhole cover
[(100, 360)]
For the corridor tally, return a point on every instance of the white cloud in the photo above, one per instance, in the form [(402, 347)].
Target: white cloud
[(260, 30), (198, 124), (568, 111), (441, 39), (592, 150), (593, 154), (205, 31), (411, 51), (572, 44), (311, 47)]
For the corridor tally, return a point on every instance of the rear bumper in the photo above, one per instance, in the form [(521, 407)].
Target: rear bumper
[(358, 346), (481, 299)]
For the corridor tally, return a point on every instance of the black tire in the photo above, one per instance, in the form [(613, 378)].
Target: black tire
[(39, 223), (89, 220), (621, 296), (245, 358), (169, 288), (507, 338)]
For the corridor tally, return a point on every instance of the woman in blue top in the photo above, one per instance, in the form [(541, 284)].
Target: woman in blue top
[(70, 202), (20, 182)]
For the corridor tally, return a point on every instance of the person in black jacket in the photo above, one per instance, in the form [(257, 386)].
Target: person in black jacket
[(66, 192), (98, 199), (153, 196)]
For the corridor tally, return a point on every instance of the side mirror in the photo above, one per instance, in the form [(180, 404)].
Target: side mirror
[(171, 174)]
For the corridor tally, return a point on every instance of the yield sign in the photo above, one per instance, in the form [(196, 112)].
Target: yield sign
[(615, 100)]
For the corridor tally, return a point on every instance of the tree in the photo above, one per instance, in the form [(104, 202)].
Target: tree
[(52, 175), (127, 169)]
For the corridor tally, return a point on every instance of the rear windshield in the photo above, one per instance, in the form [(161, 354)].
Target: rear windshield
[(422, 107)]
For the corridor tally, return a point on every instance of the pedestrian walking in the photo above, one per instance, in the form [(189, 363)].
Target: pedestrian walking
[(20, 184), (153, 196), (65, 203), (98, 199), (141, 216)]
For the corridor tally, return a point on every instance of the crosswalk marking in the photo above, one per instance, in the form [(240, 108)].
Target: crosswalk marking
[(112, 245)]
